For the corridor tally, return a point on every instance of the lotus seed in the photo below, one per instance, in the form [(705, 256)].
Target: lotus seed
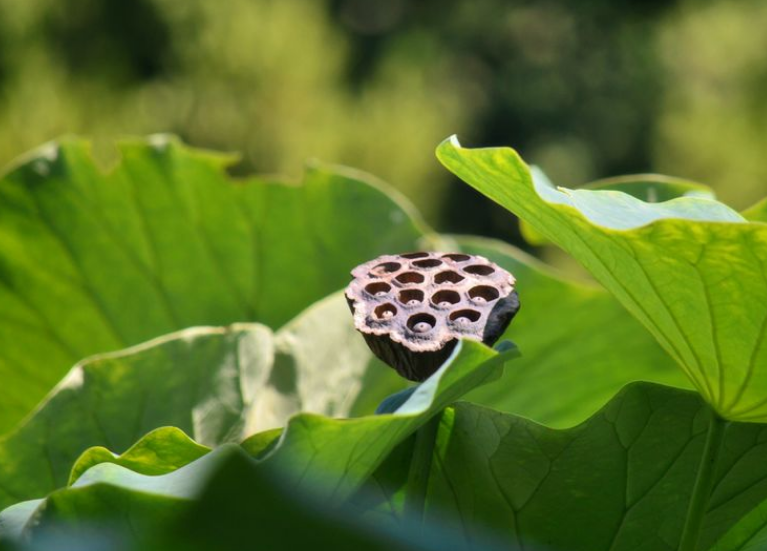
[(421, 327)]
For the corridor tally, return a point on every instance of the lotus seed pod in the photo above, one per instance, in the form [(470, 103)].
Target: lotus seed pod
[(412, 308)]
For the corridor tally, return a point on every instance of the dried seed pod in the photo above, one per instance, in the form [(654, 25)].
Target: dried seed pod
[(412, 308)]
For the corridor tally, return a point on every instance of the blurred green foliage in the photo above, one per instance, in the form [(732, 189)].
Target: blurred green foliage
[(585, 90)]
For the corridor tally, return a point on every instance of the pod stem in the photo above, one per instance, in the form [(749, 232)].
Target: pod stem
[(704, 484)]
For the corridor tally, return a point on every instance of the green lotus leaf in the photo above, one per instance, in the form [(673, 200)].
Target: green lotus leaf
[(196, 380), (620, 481), (691, 270), (221, 502), (159, 452), (579, 346), (313, 454), (215, 384), (94, 261)]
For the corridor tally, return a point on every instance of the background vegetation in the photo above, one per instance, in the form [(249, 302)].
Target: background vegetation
[(585, 90)]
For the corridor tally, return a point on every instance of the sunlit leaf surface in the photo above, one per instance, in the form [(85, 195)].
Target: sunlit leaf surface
[(691, 270), (92, 262)]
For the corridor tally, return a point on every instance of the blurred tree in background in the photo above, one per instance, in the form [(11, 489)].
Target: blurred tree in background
[(585, 90)]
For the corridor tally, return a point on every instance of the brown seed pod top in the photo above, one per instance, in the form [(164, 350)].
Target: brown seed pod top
[(425, 300)]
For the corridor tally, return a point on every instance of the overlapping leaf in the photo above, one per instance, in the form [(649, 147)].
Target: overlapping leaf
[(219, 384), (94, 261), (691, 270), (579, 346), (314, 453), (215, 384), (620, 481)]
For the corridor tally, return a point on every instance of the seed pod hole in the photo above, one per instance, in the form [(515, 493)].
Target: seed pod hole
[(411, 297), (378, 289), (445, 299), (427, 263), (479, 269), (483, 293), (385, 311), (448, 277), (455, 257), (385, 268), (415, 255), (464, 317), (421, 323), (410, 277)]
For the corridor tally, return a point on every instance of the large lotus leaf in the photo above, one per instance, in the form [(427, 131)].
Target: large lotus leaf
[(620, 481), (690, 269), (216, 384), (195, 380), (313, 453), (93, 261), (579, 346)]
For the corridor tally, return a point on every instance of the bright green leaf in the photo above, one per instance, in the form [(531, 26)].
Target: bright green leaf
[(109, 408), (620, 481), (161, 451), (579, 346), (215, 384), (340, 454), (92, 261), (691, 269), (350, 450)]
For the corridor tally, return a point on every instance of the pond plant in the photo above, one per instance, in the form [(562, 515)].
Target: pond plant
[(180, 369)]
